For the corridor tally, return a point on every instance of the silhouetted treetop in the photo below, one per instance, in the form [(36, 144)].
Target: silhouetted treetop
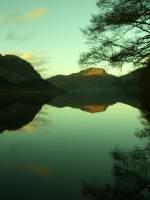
[(119, 32)]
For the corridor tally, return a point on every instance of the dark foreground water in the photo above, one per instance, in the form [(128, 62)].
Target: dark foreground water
[(66, 153)]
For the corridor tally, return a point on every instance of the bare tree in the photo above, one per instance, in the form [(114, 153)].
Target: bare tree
[(118, 33)]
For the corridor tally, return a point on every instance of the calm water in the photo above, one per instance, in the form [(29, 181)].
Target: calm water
[(64, 152)]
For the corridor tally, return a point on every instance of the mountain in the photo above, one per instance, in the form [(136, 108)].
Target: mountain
[(19, 80), (137, 80), (16, 70), (4, 82), (88, 81), (93, 89), (98, 81)]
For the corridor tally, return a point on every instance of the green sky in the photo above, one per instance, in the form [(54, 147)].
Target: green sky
[(46, 32)]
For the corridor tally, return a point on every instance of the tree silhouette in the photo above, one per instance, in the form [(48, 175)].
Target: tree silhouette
[(131, 171), (118, 33)]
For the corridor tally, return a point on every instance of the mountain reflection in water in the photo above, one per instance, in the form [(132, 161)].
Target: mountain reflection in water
[(131, 168), (16, 112)]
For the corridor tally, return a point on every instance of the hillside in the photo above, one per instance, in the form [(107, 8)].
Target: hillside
[(16, 70), (91, 80), (20, 81)]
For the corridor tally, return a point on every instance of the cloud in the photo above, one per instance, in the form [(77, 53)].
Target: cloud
[(27, 17), (12, 36), (39, 61), (35, 13), (35, 59)]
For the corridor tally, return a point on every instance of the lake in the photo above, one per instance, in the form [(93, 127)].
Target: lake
[(67, 153)]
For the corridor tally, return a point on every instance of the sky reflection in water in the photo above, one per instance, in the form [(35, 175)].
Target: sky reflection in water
[(62, 148)]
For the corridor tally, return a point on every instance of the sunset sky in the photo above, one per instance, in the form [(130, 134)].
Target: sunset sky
[(46, 32)]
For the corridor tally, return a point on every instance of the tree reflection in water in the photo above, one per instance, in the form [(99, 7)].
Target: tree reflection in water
[(131, 172)]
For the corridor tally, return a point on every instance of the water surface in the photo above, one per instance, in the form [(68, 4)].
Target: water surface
[(62, 148)]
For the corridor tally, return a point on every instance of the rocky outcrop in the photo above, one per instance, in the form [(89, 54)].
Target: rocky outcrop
[(93, 71)]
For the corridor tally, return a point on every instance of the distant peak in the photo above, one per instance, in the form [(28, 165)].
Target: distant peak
[(93, 71)]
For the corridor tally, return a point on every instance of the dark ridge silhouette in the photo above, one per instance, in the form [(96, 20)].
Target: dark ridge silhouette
[(95, 81), (16, 115), (91, 80), (18, 77), (16, 70), (98, 81)]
